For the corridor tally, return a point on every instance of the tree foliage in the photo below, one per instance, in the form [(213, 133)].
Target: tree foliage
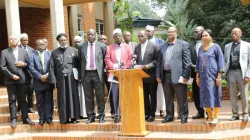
[(143, 8), (177, 16), (122, 15), (221, 16)]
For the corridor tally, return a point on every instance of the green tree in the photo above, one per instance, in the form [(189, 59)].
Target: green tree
[(221, 16), (144, 9), (177, 16), (122, 15)]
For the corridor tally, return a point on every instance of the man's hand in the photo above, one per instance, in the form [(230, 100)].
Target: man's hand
[(15, 77), (158, 80), (218, 82), (44, 78), (246, 80), (145, 67), (185, 80), (19, 63)]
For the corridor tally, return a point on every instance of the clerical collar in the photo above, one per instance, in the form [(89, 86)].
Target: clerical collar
[(16, 48), (64, 47), (237, 43)]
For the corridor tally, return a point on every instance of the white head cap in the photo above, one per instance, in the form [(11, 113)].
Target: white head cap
[(23, 35), (151, 28), (78, 38), (117, 30)]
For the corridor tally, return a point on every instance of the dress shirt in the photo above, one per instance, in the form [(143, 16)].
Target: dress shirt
[(88, 56), (15, 52), (197, 46), (167, 64), (152, 39), (118, 56), (143, 48)]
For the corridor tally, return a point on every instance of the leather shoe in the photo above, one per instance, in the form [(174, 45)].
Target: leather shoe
[(151, 119), (162, 114), (28, 121), (167, 119), (41, 122), (112, 115), (183, 120), (90, 120), (245, 118), (198, 116), (49, 121), (13, 123), (146, 117), (101, 118), (117, 119), (31, 110), (74, 121), (234, 118)]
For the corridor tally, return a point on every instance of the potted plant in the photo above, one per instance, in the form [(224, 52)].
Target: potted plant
[(189, 93)]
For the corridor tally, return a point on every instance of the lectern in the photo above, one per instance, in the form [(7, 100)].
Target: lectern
[(131, 101)]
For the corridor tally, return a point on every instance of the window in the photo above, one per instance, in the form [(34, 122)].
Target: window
[(79, 23), (99, 27)]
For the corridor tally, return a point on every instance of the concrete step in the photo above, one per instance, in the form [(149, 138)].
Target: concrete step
[(114, 135), (109, 125)]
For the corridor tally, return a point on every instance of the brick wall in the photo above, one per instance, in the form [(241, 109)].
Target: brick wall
[(36, 22), (88, 16)]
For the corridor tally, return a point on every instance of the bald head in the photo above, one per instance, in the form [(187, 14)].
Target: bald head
[(127, 37), (236, 34), (13, 41), (142, 36)]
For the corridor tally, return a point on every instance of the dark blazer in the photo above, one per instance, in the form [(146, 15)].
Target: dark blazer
[(193, 54), (180, 61), (100, 52), (150, 58), (9, 69), (36, 69)]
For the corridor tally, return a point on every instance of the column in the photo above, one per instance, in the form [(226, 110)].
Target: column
[(73, 22), (12, 17), (108, 20), (57, 20)]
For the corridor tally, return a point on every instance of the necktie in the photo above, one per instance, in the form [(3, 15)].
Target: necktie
[(42, 59), (91, 56)]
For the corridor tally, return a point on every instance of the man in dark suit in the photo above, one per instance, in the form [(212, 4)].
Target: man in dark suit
[(24, 39), (147, 55), (14, 66), (194, 47), (39, 68), (91, 55), (174, 62), (128, 40)]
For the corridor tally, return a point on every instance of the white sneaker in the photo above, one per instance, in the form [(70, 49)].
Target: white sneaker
[(208, 121)]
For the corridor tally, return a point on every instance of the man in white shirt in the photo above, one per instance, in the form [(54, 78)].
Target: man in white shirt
[(147, 56)]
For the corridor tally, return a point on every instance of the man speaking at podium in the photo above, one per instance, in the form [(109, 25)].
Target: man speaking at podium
[(118, 56), (147, 55)]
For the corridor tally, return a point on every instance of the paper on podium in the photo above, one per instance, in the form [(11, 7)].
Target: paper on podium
[(111, 78), (190, 80), (75, 72)]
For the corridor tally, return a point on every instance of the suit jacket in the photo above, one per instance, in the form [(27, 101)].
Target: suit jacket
[(30, 49), (100, 51), (180, 61), (158, 41), (133, 45), (126, 56), (9, 68), (244, 58), (193, 54), (150, 58), (36, 69)]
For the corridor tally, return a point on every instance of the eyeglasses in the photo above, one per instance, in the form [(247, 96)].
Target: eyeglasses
[(77, 41)]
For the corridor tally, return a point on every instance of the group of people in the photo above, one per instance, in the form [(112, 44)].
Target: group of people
[(79, 74)]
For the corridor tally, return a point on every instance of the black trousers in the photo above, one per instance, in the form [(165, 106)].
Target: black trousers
[(92, 83), (169, 89), (29, 96), (18, 92), (149, 90), (196, 97), (112, 111), (45, 104)]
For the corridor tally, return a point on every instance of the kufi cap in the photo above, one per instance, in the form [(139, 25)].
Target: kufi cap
[(151, 28), (117, 30)]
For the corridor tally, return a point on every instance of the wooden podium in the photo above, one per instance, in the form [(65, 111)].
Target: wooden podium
[(131, 101)]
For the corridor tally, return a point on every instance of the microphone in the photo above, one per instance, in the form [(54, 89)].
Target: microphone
[(134, 60)]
